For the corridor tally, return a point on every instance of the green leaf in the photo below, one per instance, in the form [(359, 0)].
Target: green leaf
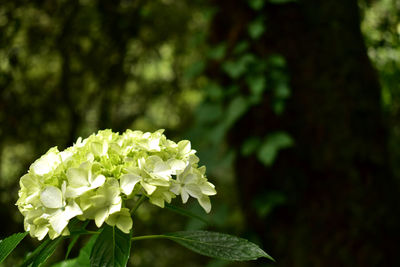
[(31, 256), (217, 52), (237, 68), (237, 107), (185, 212), (71, 245), (111, 249), (250, 145), (209, 112), (266, 202), (278, 106), (277, 60), (241, 47), (75, 226), (214, 91), (46, 252), (256, 29), (272, 144), (195, 69), (234, 69), (257, 84), (218, 245), (282, 90), (8, 244), (84, 256), (256, 4)]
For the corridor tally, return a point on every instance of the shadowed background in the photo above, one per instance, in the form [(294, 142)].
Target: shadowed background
[(293, 106)]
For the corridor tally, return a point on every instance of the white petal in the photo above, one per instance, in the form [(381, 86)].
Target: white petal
[(204, 201), (190, 178), (65, 155), (184, 196), (97, 148), (151, 161), (71, 210), (124, 224), (46, 163), (184, 147), (72, 192), (162, 169), (51, 197), (40, 232), (141, 163), (128, 182), (98, 181), (193, 159), (207, 188), (65, 232), (175, 188), (156, 181), (58, 222), (181, 177), (29, 181), (193, 190), (157, 200), (77, 177), (100, 217), (64, 187), (115, 208), (32, 198), (98, 200), (53, 234), (154, 144), (149, 188), (105, 147), (168, 196), (121, 219), (90, 157), (176, 165)]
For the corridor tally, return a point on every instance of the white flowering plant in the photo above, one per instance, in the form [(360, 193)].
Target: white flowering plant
[(97, 179)]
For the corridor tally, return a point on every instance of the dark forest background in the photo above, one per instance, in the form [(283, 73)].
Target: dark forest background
[(293, 106)]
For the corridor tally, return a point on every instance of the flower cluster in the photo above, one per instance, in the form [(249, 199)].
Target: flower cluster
[(92, 179)]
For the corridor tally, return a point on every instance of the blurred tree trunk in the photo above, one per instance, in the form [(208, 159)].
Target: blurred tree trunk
[(342, 206)]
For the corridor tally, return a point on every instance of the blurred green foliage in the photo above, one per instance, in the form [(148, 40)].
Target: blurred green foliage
[(381, 27), (69, 68)]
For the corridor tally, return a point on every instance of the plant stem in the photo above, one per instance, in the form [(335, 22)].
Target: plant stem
[(148, 237), (138, 203)]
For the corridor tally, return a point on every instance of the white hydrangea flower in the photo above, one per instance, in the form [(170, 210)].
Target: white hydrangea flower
[(192, 182), (122, 219), (99, 204), (81, 180), (60, 212), (46, 163), (91, 179)]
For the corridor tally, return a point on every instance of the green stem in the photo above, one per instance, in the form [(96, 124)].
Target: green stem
[(138, 203), (149, 237)]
